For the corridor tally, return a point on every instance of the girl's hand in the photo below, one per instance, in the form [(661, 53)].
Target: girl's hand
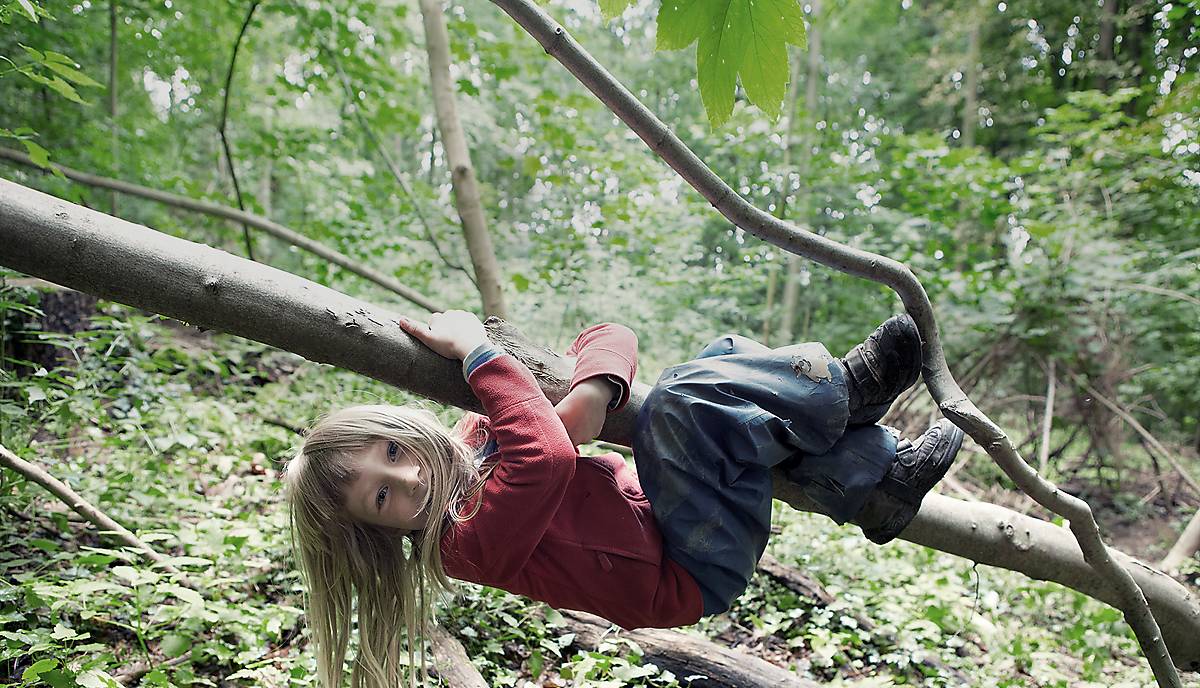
[(452, 334), (585, 408)]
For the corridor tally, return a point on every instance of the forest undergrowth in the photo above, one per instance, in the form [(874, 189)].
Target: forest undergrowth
[(180, 436)]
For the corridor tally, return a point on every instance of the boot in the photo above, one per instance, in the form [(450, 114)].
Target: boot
[(882, 367), (917, 468)]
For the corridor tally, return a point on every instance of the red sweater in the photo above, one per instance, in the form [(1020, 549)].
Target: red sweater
[(573, 531)]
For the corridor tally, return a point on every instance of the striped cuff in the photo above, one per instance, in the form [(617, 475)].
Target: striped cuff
[(478, 356)]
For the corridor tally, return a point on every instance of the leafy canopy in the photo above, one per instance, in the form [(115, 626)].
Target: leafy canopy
[(746, 38)]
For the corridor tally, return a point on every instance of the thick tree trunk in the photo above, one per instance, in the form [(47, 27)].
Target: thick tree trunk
[(458, 157), (791, 283), (226, 213), (86, 250)]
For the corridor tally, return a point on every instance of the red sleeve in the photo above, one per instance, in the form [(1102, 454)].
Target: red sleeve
[(537, 460), (609, 350)]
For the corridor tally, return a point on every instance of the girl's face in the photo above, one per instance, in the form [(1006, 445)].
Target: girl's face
[(389, 488)]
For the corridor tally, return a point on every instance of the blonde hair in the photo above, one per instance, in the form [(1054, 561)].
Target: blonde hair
[(396, 575)]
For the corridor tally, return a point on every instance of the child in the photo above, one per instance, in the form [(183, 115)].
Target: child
[(386, 502)]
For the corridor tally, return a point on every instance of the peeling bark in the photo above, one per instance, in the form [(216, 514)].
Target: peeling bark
[(117, 260)]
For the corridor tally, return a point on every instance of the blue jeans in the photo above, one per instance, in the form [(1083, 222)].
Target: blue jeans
[(711, 430)]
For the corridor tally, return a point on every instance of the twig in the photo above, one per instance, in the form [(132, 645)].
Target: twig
[(132, 673), (1152, 443), (237, 189)]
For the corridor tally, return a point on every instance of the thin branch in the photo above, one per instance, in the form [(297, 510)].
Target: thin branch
[(257, 221), (1152, 442), (950, 398), (1047, 420), (85, 509), (352, 104), (237, 189)]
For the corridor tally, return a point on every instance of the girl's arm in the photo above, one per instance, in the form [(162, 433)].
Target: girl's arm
[(604, 370), (537, 459)]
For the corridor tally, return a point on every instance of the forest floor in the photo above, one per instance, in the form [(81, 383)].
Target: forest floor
[(173, 433)]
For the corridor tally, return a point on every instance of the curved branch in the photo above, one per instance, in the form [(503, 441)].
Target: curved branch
[(942, 386), (124, 262), (237, 189), (226, 213)]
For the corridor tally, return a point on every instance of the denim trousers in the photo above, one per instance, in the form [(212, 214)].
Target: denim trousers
[(711, 430)]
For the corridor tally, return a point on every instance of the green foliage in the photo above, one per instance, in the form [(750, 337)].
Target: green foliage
[(746, 38)]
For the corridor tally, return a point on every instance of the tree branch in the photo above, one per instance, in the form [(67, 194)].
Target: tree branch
[(226, 213), (120, 261), (237, 189), (84, 508), (942, 386)]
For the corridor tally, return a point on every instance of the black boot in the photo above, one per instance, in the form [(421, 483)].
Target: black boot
[(917, 468), (882, 367)]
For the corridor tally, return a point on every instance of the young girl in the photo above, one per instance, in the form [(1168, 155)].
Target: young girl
[(386, 502)]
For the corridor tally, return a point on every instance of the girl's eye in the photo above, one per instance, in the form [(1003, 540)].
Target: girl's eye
[(392, 450), (380, 496)]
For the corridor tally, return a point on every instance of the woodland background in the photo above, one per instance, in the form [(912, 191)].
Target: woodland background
[(1036, 164)]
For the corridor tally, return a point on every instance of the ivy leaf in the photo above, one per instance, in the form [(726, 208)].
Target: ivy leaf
[(746, 38)]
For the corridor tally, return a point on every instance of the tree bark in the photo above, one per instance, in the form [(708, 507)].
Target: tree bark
[(791, 283), (688, 655), (117, 260), (458, 157), (226, 213), (451, 662), (952, 401)]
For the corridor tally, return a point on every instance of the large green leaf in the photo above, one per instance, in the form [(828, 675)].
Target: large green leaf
[(746, 38)]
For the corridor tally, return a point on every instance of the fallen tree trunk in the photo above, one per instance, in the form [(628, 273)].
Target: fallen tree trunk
[(705, 662), (248, 219), (117, 260)]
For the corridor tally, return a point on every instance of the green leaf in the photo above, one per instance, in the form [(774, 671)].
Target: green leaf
[(65, 90), (36, 393), (612, 9), (521, 282), (37, 668), (28, 7), (175, 645), (465, 86), (72, 73), (736, 37), (52, 56), (33, 52)]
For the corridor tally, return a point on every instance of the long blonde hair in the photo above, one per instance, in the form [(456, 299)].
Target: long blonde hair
[(396, 575)]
